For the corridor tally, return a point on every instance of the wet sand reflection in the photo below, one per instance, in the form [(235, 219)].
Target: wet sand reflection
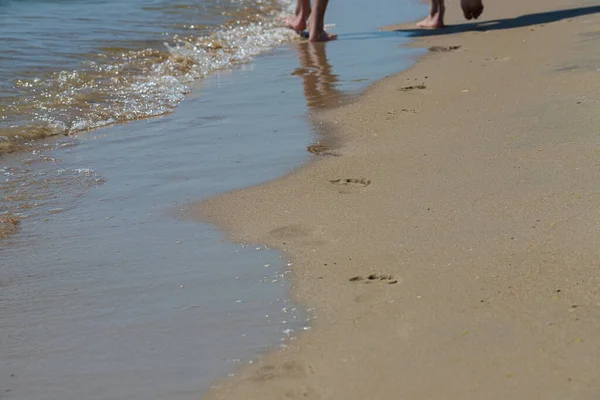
[(320, 83)]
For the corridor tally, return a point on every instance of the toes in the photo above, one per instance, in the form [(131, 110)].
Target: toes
[(426, 23)]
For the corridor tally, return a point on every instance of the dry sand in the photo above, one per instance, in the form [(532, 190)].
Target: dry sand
[(475, 199)]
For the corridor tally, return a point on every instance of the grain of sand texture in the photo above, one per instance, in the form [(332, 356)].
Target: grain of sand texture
[(452, 252)]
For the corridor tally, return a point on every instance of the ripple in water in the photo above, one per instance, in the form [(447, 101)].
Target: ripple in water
[(39, 187)]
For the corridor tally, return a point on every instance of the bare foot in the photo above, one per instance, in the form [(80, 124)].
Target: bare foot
[(297, 23), (321, 36), (472, 9), (432, 22)]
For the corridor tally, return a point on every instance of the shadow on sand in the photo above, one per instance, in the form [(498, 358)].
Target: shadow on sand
[(507, 23)]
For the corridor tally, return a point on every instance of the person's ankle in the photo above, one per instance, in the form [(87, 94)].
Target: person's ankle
[(304, 16)]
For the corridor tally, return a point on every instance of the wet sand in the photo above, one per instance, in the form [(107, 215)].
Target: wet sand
[(451, 250)]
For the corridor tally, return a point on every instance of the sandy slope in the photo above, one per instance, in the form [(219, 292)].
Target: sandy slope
[(475, 199)]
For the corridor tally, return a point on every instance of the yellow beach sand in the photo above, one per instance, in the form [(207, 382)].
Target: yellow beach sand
[(452, 250)]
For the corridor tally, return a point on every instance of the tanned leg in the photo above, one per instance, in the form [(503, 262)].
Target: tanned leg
[(317, 25), (298, 22)]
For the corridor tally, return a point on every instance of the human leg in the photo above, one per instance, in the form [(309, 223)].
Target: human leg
[(435, 19), (298, 22), (317, 24)]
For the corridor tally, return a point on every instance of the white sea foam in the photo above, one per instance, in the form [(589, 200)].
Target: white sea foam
[(136, 84)]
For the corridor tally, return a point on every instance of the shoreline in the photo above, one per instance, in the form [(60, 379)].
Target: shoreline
[(455, 232), (120, 194)]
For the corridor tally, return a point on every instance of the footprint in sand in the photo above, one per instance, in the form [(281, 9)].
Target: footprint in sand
[(289, 370), (321, 150), (420, 86), (443, 49), (362, 182), (498, 59), (296, 233), (392, 113), (350, 185), (380, 278)]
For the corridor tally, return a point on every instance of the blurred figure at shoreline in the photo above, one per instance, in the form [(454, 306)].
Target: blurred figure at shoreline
[(316, 25), (472, 9)]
